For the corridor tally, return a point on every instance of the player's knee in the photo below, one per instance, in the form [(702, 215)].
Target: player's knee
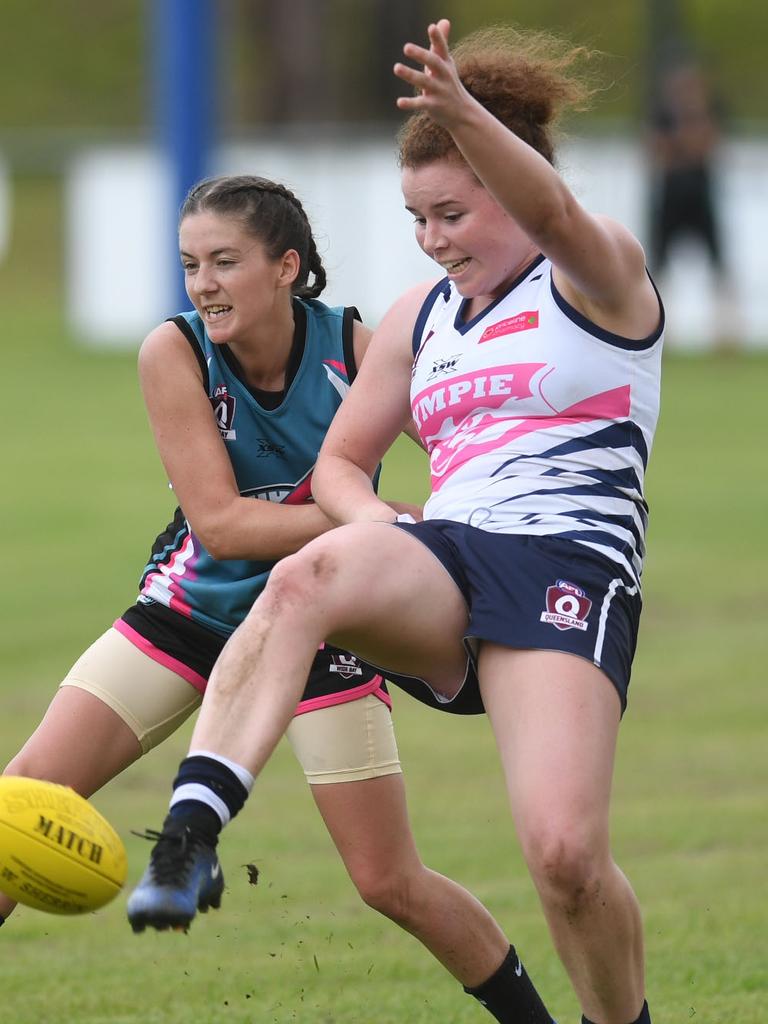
[(565, 864), (302, 581), (391, 893), (285, 593)]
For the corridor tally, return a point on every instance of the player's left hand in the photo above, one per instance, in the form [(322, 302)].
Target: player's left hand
[(405, 508), (439, 90)]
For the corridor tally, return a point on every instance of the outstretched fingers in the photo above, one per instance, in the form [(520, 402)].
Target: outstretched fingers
[(438, 37), (435, 62)]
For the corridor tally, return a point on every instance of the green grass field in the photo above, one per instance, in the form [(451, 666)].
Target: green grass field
[(83, 496)]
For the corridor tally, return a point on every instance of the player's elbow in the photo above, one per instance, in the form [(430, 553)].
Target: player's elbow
[(218, 546), (218, 537), (323, 477), (220, 549)]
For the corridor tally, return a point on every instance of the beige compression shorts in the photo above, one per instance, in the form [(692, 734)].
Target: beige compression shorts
[(345, 742)]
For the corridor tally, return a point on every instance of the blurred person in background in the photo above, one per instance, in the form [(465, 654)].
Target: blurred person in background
[(686, 126), (240, 392), (532, 371)]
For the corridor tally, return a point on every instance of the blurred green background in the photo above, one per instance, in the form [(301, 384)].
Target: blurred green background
[(79, 67), (83, 495)]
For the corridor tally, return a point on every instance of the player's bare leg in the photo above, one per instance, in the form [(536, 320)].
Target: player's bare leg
[(555, 718), (396, 606), (368, 822)]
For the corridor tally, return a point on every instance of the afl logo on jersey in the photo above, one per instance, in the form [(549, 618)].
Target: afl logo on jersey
[(224, 410), (567, 606)]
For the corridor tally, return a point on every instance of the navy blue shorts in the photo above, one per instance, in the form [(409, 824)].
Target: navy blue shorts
[(539, 593)]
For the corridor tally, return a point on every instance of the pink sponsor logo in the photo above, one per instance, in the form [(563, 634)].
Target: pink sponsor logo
[(457, 398), (526, 321)]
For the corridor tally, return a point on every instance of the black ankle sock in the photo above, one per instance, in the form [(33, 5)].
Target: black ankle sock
[(644, 1018), (509, 995)]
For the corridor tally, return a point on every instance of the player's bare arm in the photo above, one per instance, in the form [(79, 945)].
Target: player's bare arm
[(361, 339), (200, 472), (374, 412)]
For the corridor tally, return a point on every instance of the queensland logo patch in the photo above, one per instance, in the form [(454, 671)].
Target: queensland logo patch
[(224, 410), (567, 606), (526, 321)]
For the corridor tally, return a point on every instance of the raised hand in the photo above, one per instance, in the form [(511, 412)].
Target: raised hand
[(439, 90)]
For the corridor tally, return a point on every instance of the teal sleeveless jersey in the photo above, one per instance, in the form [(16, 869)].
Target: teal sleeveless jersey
[(273, 453)]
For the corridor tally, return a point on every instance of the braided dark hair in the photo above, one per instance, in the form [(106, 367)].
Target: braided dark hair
[(271, 213)]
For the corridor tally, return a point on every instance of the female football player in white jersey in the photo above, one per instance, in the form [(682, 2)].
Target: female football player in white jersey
[(240, 392), (532, 372)]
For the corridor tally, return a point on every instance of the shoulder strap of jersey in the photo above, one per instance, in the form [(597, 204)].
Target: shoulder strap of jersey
[(351, 314), (442, 287), (189, 333)]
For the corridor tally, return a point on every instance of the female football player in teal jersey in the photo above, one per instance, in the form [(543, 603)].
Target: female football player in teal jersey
[(240, 392), (532, 371)]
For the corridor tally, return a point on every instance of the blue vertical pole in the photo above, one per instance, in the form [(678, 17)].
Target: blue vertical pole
[(184, 104)]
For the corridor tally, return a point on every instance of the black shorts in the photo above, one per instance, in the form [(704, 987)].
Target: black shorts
[(529, 592), (336, 676), (683, 205)]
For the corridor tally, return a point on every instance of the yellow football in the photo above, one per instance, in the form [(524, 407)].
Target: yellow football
[(57, 853)]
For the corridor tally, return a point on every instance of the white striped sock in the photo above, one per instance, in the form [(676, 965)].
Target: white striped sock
[(203, 795), (242, 773)]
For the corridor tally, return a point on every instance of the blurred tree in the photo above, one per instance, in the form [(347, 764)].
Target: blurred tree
[(292, 80), (392, 25), (325, 60), (304, 61)]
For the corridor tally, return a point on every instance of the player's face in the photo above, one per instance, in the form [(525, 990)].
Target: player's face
[(229, 278), (462, 227)]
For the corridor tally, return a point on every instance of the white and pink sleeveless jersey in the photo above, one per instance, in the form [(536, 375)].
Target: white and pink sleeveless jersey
[(536, 420)]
